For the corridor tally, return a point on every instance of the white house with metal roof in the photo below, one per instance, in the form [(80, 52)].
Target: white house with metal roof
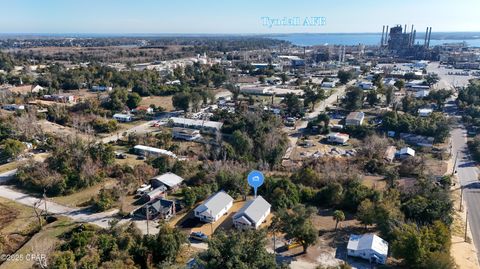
[(252, 214), (214, 207), (369, 247), (169, 180), (123, 117), (405, 153)]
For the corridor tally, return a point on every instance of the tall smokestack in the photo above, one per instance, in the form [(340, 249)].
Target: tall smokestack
[(405, 29), (386, 36), (383, 32), (429, 37), (426, 36), (411, 37)]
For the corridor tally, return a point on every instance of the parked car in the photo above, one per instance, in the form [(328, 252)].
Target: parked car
[(292, 244), (199, 236)]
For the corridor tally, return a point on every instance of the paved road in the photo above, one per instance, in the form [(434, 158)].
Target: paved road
[(77, 214), (6, 176), (468, 176)]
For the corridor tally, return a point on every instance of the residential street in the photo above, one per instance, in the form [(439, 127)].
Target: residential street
[(293, 134), (77, 214), (468, 177)]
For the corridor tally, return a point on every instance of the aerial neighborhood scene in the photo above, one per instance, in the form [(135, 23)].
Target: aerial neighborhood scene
[(240, 134)]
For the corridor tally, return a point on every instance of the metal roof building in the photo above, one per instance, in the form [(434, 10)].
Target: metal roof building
[(170, 180), (252, 214), (369, 247), (214, 207), (202, 125)]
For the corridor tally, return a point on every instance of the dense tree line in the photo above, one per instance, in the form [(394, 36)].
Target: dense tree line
[(120, 247), (253, 136), (72, 165), (436, 125)]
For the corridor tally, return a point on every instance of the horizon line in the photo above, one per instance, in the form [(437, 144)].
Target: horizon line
[(203, 33)]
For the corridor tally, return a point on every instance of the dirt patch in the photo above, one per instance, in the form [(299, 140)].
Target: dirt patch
[(162, 101), (7, 215), (374, 182), (59, 130)]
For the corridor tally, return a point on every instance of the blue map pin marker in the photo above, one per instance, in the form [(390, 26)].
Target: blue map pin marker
[(255, 179)]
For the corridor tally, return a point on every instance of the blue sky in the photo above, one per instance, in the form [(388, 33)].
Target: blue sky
[(227, 16)]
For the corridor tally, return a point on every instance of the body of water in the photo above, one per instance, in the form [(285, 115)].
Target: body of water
[(355, 39)]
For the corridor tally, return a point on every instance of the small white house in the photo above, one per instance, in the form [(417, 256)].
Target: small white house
[(405, 153), (425, 112), (338, 138), (252, 214), (123, 117), (369, 247), (214, 207)]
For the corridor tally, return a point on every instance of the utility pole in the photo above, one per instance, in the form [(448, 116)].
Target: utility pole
[(274, 243), (455, 163), (211, 224), (466, 227), (45, 201), (461, 197), (148, 218)]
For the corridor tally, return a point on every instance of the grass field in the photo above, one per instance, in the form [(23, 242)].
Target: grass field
[(163, 101), (41, 245), (81, 197), (16, 223)]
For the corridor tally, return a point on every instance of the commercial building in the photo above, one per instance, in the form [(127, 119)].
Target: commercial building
[(204, 126)]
